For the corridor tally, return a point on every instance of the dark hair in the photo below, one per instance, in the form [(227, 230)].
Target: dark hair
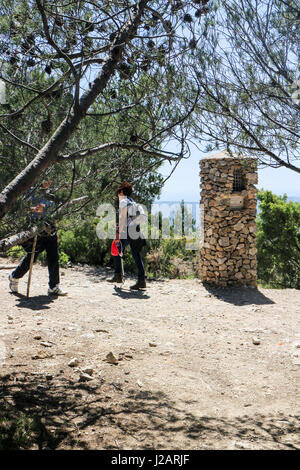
[(125, 187)]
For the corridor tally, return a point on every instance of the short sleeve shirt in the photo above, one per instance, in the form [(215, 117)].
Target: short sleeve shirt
[(129, 203)]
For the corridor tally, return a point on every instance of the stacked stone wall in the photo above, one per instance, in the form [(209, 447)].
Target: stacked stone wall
[(228, 254)]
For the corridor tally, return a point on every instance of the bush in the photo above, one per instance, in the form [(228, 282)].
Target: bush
[(16, 252), (83, 246), (63, 258), (180, 268), (170, 258), (278, 241)]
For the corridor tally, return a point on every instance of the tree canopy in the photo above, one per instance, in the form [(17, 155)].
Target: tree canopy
[(95, 88), (278, 241), (248, 79)]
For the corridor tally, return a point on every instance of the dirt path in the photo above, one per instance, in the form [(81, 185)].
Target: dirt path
[(188, 374)]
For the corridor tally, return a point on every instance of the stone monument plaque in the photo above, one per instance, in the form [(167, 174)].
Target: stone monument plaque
[(236, 202)]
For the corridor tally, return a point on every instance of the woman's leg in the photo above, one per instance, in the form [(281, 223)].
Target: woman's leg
[(117, 259), (137, 256)]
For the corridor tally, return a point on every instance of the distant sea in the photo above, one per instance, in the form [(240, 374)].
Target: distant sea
[(294, 199)]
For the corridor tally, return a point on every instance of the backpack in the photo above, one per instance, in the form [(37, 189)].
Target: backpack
[(136, 213)]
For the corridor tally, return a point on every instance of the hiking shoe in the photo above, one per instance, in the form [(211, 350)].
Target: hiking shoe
[(13, 284), (139, 285), (118, 279), (57, 290)]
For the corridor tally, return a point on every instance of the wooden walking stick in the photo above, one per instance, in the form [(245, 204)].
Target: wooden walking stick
[(40, 210)]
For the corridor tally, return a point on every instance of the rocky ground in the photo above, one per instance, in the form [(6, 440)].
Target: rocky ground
[(191, 367)]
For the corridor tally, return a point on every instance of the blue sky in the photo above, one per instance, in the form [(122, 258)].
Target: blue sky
[(185, 181)]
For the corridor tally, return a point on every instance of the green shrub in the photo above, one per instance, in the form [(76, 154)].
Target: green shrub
[(82, 245), (20, 431), (170, 258), (278, 241), (63, 258), (15, 433), (16, 252)]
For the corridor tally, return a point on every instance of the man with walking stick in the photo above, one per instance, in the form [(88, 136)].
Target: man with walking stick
[(46, 240)]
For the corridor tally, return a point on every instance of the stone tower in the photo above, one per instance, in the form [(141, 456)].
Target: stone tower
[(228, 198)]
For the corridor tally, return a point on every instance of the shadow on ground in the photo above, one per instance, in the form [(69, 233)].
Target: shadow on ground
[(57, 413), (126, 293), (38, 302), (238, 295), (103, 274)]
